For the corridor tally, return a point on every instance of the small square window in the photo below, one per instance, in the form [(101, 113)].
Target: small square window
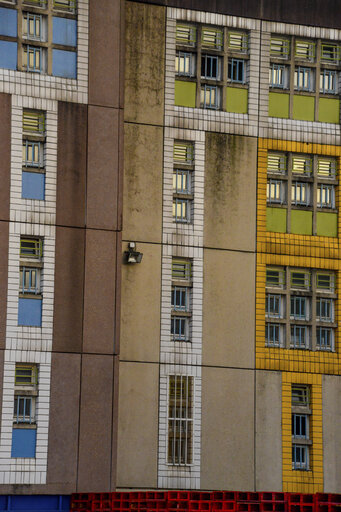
[(236, 71), (324, 310), (300, 457), (330, 52), (299, 308), (179, 328), (299, 337), (181, 181), (31, 248), (274, 335), (34, 27), (300, 426), (29, 280), (300, 279), (325, 338), (34, 59), (279, 48), (305, 50), (33, 154), (212, 38), (274, 306), (277, 163), (180, 299), (65, 5), (238, 42), (183, 152), (325, 282), (181, 210), (185, 64), (302, 165), (24, 409), (186, 35), (326, 167), (181, 269), (26, 374)]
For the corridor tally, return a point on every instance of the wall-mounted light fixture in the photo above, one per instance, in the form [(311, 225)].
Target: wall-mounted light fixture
[(132, 255)]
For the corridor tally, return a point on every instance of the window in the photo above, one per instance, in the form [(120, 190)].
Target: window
[(182, 182), (180, 420), (181, 300), (30, 297), (24, 412), (300, 403), (304, 79), (278, 76), (200, 54), (33, 172), (299, 308), (31, 248), (40, 42), (330, 52), (328, 81), (279, 48), (312, 181)]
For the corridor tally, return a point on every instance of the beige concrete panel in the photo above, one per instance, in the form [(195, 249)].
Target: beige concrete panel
[(64, 419), (268, 431), (142, 199), (145, 63), (227, 430), (331, 410), (230, 191), (138, 425), (140, 306), (229, 309)]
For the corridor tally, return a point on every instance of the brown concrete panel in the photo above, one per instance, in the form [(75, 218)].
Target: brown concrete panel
[(115, 423), (102, 184), (331, 410), (71, 166), (145, 63), (227, 429), (140, 306), (68, 291), (5, 152), (138, 425), (230, 191), (95, 431), (229, 309), (268, 431), (4, 233), (64, 420), (142, 190), (2, 355), (99, 292), (105, 71)]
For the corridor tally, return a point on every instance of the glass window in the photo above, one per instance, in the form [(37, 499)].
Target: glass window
[(299, 336), (180, 417), (184, 64), (305, 50), (299, 308), (279, 48), (238, 42), (185, 35), (276, 192), (181, 269), (236, 71), (304, 79), (325, 196), (300, 193), (209, 97), (212, 38), (328, 81), (210, 67)]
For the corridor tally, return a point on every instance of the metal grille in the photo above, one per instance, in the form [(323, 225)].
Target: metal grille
[(180, 420)]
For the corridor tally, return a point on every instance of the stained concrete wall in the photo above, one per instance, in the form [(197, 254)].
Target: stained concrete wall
[(268, 467), (229, 309), (331, 410), (138, 425), (230, 191), (227, 446)]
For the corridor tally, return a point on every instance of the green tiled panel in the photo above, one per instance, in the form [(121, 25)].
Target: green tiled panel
[(301, 222), (329, 110), (185, 93), (278, 104), (304, 108), (276, 220), (326, 224), (236, 100)]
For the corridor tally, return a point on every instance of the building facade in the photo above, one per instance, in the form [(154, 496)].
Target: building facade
[(207, 139)]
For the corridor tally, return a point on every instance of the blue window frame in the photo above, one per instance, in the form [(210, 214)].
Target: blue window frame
[(273, 305), (29, 280), (328, 81), (236, 71), (300, 457), (277, 76), (276, 192), (23, 409), (184, 64), (180, 298), (300, 426), (32, 154), (209, 97), (325, 338), (299, 308), (181, 210), (24, 443), (32, 58), (299, 336), (324, 310), (304, 79), (33, 185), (325, 196), (179, 328), (181, 181), (29, 312), (300, 193), (273, 334), (210, 67), (32, 26)]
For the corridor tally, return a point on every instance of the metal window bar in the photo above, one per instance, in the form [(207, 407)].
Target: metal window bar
[(277, 163), (32, 25), (275, 277), (325, 281), (186, 35), (65, 5), (325, 196), (179, 328), (305, 50), (328, 81), (29, 280), (236, 71), (181, 181), (32, 58), (25, 375), (300, 279), (279, 48), (275, 192), (32, 154), (210, 67), (36, 3), (34, 122), (303, 79), (300, 426), (238, 41), (330, 52), (31, 248), (209, 97), (184, 64), (302, 165), (181, 210), (324, 338), (273, 306), (23, 409), (300, 195), (300, 395), (324, 310), (180, 419), (179, 299), (273, 334), (299, 336), (298, 308), (326, 167), (300, 457), (212, 38), (277, 76), (183, 152), (181, 269)]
